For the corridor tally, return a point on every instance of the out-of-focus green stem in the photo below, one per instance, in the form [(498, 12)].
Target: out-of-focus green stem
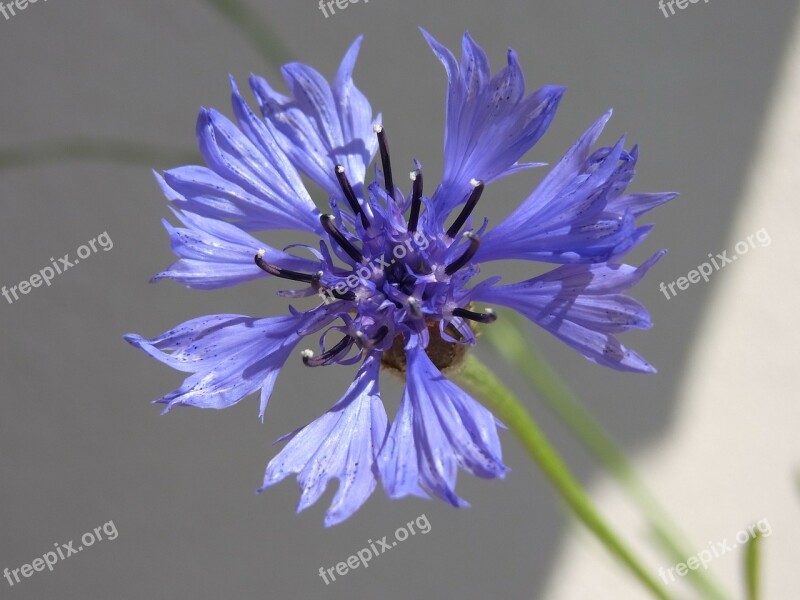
[(254, 29), (506, 338), (752, 568), (106, 150), (239, 14), (508, 409)]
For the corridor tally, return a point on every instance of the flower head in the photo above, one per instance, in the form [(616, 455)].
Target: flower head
[(392, 283)]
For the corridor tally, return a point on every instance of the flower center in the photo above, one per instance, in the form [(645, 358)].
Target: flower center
[(447, 356), (403, 275)]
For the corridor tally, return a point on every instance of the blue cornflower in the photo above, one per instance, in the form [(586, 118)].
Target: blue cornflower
[(389, 279)]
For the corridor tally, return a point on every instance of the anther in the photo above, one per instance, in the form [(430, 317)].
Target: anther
[(488, 316), (477, 190), (348, 192), (328, 225), (278, 272), (383, 144), (416, 199), (413, 307), (474, 244), (326, 357), (369, 343)]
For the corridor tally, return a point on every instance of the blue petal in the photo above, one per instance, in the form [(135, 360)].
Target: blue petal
[(582, 305), (321, 125), (577, 214), (398, 462), (248, 178), (214, 254), (639, 204), (439, 428), (355, 115), (490, 123), (342, 444), (229, 356)]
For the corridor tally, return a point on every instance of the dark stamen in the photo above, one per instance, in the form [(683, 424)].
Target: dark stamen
[(477, 190), (379, 335), (349, 296), (326, 357), (348, 192), (375, 340), (316, 283), (328, 225), (416, 200), (383, 144), (284, 273), (486, 317), (474, 244)]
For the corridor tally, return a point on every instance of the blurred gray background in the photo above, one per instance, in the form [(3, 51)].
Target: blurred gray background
[(80, 444)]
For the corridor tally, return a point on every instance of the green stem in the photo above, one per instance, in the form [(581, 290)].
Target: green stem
[(250, 24), (134, 153), (752, 568), (106, 150), (506, 338), (508, 409)]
